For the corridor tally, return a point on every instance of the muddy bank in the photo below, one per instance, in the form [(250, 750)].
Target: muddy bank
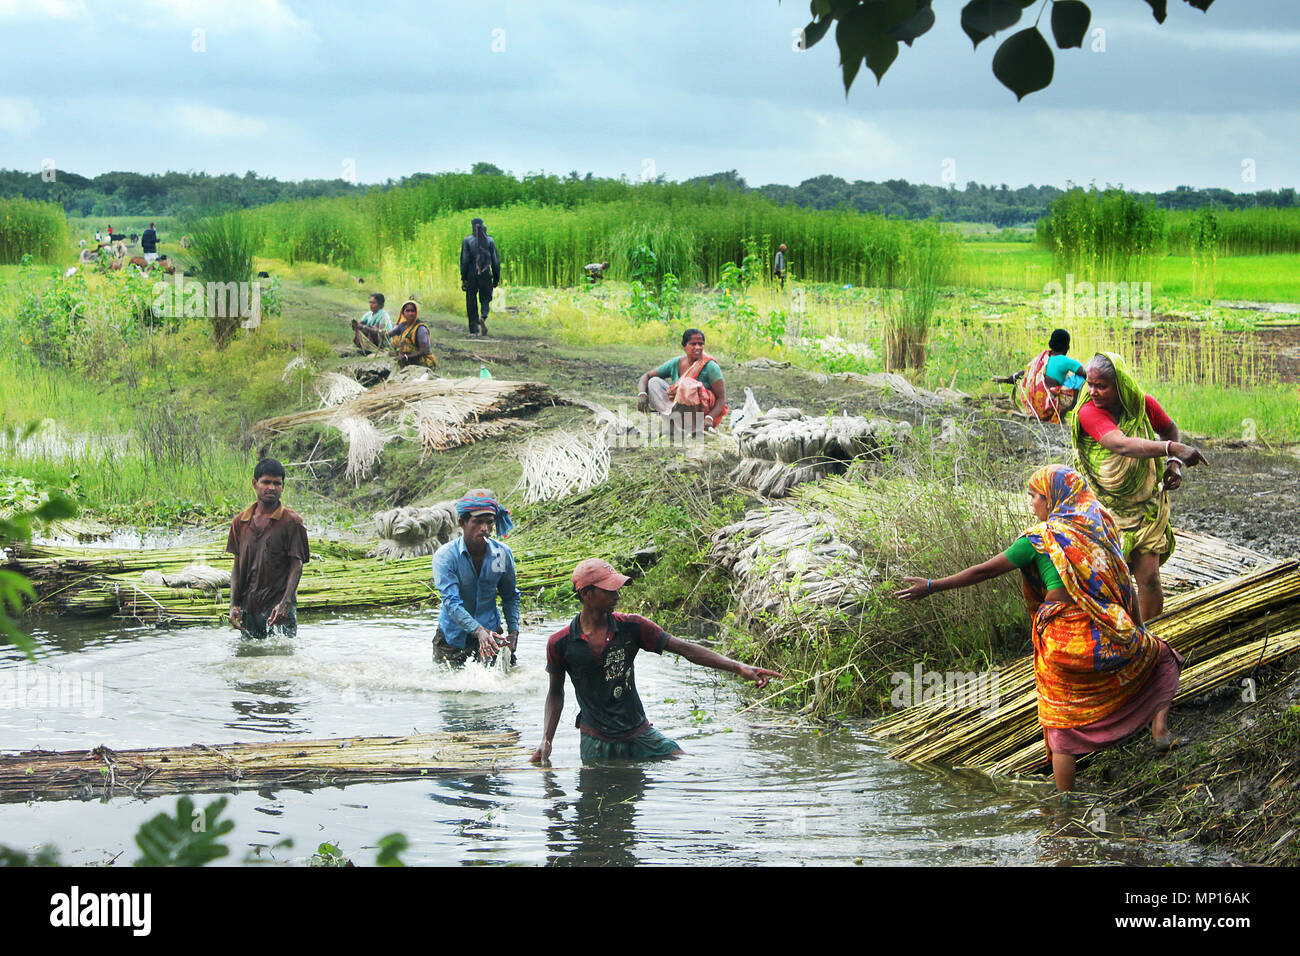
[(1234, 786), (1248, 496)]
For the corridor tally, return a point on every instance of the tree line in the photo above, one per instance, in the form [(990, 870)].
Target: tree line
[(181, 194)]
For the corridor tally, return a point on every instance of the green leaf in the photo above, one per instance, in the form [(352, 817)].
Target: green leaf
[(815, 31), (980, 19), (168, 841), (1070, 19), (914, 26), (852, 36), (881, 54), (1158, 9), (389, 848), (1024, 63)]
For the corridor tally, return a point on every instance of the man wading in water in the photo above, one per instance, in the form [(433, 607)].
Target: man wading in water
[(469, 572), (269, 543), (596, 650)]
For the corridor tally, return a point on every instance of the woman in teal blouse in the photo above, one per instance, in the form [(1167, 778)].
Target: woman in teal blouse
[(655, 388)]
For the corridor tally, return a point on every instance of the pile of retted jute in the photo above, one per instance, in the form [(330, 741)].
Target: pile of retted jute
[(784, 558), (439, 413), (783, 447), (409, 532)]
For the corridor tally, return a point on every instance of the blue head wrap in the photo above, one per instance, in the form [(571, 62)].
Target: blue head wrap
[(472, 503)]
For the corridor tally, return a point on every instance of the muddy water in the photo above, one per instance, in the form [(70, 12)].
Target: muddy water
[(750, 790)]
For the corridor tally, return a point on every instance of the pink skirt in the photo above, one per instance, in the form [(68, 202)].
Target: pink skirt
[(1135, 715)]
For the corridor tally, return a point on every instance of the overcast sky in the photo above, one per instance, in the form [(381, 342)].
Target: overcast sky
[(296, 90)]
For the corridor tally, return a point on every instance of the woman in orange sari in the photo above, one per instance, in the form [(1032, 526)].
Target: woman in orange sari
[(1100, 674), (686, 389), (1050, 384)]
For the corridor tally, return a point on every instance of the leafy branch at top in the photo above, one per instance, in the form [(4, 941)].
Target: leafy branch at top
[(869, 31)]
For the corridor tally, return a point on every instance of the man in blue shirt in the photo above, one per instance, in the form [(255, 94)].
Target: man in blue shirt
[(470, 572)]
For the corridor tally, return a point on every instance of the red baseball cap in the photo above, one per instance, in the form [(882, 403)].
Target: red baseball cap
[(593, 572)]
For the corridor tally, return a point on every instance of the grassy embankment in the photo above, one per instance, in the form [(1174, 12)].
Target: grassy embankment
[(151, 382)]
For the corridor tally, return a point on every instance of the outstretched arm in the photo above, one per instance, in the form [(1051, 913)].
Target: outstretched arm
[(1132, 447), (554, 706), (923, 587), (702, 655)]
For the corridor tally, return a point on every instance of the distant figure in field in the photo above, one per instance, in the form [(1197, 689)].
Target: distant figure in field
[(480, 273), (1050, 384), (778, 264), (149, 243), (595, 270), (371, 331)]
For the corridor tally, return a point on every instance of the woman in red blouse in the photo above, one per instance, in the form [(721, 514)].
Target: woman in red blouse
[(1121, 434)]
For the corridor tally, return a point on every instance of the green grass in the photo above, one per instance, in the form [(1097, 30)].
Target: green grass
[(1240, 232), (1222, 412), (1019, 266), (38, 229)]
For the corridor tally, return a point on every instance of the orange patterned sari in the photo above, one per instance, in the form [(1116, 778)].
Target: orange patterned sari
[(1090, 654)]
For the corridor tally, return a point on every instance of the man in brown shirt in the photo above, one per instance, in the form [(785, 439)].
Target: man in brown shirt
[(269, 543)]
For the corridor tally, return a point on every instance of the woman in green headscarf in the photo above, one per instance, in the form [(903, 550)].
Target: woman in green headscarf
[(1121, 435)]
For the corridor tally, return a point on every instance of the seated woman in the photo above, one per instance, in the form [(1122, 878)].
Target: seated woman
[(370, 331), (1100, 674), (687, 391), (411, 339), (1048, 387)]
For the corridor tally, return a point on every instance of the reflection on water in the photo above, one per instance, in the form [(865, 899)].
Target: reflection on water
[(750, 790), (598, 828)]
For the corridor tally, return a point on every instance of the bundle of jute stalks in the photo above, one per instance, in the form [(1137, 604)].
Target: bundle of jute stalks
[(104, 772), (784, 558), (410, 531), (330, 581), (783, 448), (1225, 630), (439, 413)]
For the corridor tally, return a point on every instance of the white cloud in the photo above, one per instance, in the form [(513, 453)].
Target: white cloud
[(208, 121), (18, 117), (228, 16), (42, 9), (1197, 36)]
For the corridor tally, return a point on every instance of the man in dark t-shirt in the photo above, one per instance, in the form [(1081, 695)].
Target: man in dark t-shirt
[(149, 243), (269, 543), (597, 651)]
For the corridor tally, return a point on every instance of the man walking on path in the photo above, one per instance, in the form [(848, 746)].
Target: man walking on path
[(149, 244), (480, 273), (778, 265), (269, 543), (470, 572), (597, 650)]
